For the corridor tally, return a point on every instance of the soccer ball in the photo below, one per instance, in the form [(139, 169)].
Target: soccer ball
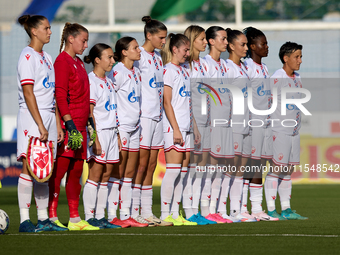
[(4, 221)]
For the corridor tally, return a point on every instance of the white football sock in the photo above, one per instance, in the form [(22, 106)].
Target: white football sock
[(113, 198), (244, 196), (41, 194), (125, 198), (25, 187), (206, 193), (196, 190), (178, 191), (101, 200), (146, 201), (167, 187), (135, 200), (256, 191), (235, 195), (89, 198), (222, 202), (285, 191), (270, 188), (215, 191), (187, 191)]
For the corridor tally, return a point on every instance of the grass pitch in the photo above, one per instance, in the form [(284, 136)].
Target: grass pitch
[(318, 235)]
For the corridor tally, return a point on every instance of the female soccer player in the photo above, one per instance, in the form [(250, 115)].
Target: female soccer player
[(222, 152), (73, 98), (177, 125), (261, 137), (37, 117), (237, 48), (197, 69), (151, 124), (105, 151), (127, 84)]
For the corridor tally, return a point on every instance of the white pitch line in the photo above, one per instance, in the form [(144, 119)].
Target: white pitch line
[(193, 235)]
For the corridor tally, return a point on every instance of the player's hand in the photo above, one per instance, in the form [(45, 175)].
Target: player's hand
[(60, 135), (92, 131), (178, 138), (197, 137), (97, 148), (43, 133), (75, 138)]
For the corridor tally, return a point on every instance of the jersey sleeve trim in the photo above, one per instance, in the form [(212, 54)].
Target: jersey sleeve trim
[(27, 82)]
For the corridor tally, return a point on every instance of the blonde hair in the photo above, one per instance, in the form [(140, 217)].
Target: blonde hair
[(192, 32), (172, 40), (71, 29)]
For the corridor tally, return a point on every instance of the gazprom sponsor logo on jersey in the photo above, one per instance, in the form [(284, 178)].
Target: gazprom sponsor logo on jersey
[(245, 92), (154, 84), (132, 97), (262, 92), (47, 84), (292, 107), (183, 92), (202, 89), (109, 106)]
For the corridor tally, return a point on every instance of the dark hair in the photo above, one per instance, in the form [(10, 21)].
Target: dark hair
[(192, 32), (231, 36), (172, 40), (96, 52), (252, 34), (71, 29), (152, 26), (30, 22), (122, 44), (287, 49), (211, 33)]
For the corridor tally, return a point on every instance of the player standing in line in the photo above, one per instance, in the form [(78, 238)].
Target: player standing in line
[(73, 98), (37, 117), (177, 125), (222, 151), (286, 140), (151, 124), (261, 137), (237, 48), (197, 69), (105, 150), (127, 84)]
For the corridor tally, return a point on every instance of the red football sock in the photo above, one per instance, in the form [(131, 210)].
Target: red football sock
[(73, 186)]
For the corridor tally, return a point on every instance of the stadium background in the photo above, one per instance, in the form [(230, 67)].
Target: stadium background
[(320, 70)]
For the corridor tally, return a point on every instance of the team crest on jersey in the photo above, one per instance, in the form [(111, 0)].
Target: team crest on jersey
[(253, 149), (124, 141), (40, 159), (196, 68), (101, 86), (280, 156), (164, 71), (140, 138), (235, 145), (27, 56), (275, 81), (115, 73), (25, 132), (103, 154), (149, 61), (274, 137)]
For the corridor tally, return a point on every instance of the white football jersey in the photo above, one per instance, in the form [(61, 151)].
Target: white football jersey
[(292, 119), (221, 103), (36, 68), (179, 80), (127, 83), (260, 84), (151, 68), (239, 78), (198, 74), (103, 96)]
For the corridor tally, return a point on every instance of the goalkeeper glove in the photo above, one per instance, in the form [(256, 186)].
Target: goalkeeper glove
[(75, 138), (92, 131)]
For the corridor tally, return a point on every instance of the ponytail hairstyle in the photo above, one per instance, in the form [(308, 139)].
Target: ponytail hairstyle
[(232, 35), (71, 29), (211, 33), (152, 26), (96, 52), (29, 22), (192, 32), (252, 34), (122, 44), (172, 40)]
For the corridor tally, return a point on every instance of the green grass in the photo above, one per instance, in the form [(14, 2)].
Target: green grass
[(321, 203)]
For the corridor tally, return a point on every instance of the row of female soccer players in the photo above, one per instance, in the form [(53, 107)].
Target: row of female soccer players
[(138, 80)]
